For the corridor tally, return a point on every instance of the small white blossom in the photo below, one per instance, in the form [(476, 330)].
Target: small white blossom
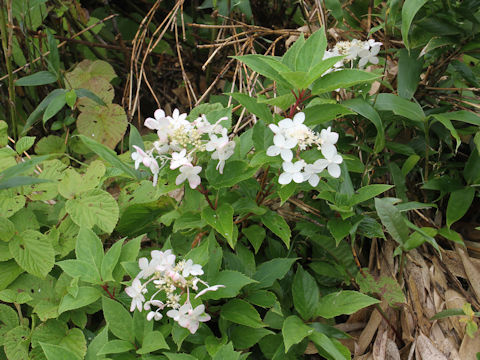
[(328, 137), (331, 161), (282, 146), (188, 317), (161, 123), (179, 159), (222, 154), (140, 156), (154, 315), (189, 268), (136, 291), (210, 288), (190, 173), (292, 171), (162, 260), (369, 53)]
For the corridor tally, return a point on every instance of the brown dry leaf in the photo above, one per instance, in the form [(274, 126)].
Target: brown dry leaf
[(311, 349), (407, 321), (380, 345), (367, 334), (470, 347), (427, 350), (473, 273), (454, 300), (392, 352)]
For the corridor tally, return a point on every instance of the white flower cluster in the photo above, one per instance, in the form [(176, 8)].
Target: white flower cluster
[(170, 281), (367, 51), (291, 134), (179, 140)]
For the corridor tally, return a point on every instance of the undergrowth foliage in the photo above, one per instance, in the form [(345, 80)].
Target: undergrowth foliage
[(208, 236)]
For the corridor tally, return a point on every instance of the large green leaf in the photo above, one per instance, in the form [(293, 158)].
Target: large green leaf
[(39, 78), (252, 105), (118, 319), (153, 341), (240, 312), (294, 331), (320, 114), (458, 204), (363, 108), (278, 226), (85, 296), (342, 79), (305, 293), (109, 156), (94, 207), (409, 10), (344, 302), (324, 344), (402, 107), (105, 124), (33, 251), (233, 281), (272, 270), (312, 51), (392, 219), (409, 70)]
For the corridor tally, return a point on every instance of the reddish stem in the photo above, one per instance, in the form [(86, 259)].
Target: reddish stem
[(205, 194), (105, 287)]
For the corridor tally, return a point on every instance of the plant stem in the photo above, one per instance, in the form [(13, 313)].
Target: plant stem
[(105, 287), (204, 191), (7, 52)]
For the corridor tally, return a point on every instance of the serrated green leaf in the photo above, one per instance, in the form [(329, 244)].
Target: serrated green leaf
[(57, 352), (33, 252), (240, 312), (85, 296), (255, 234), (153, 341), (342, 79), (233, 281), (272, 270), (294, 331), (118, 319), (110, 261), (343, 302), (94, 207), (116, 347), (24, 143)]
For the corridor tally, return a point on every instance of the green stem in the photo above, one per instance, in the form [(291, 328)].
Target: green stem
[(7, 52), (427, 146)]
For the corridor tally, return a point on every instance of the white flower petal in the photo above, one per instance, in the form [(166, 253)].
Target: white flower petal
[(285, 178), (334, 170)]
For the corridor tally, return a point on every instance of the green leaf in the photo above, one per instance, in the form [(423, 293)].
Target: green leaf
[(53, 57), (392, 220), (272, 270), (7, 229), (320, 114), (409, 10), (57, 103), (57, 352), (323, 342), (71, 98), (226, 352), (259, 64), (39, 78), (24, 143), (252, 105), (153, 341), (22, 167), (110, 261), (16, 342), (339, 228), (89, 248), (233, 281), (97, 343), (445, 121), (458, 204), (85, 296), (109, 156), (89, 95), (400, 106), (294, 331), (94, 207), (344, 302), (33, 117), (105, 124), (33, 252), (409, 70), (8, 319), (240, 312), (312, 51), (118, 319), (290, 57), (447, 313), (341, 79), (221, 220), (255, 234), (305, 293), (10, 271), (179, 356), (80, 269), (234, 172), (364, 108), (116, 347), (278, 226), (244, 337), (368, 192)]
